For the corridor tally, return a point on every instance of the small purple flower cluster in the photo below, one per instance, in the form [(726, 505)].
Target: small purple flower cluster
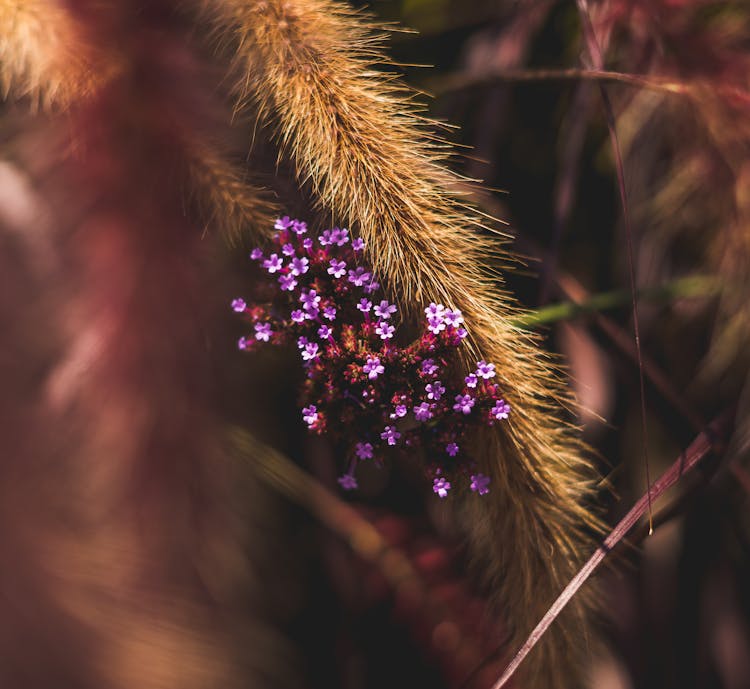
[(370, 392)]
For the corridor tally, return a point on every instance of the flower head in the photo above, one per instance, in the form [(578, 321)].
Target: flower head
[(299, 227), (390, 435), (337, 268), (298, 316), (463, 404), (287, 282), (500, 410), (283, 223), (310, 414), (422, 412), (339, 236), (440, 486), (384, 330), (324, 332), (364, 451), (434, 390), (373, 368), (299, 266), (287, 250), (348, 482), (364, 305), (451, 449), (329, 312), (358, 244), (273, 263), (310, 351), (471, 380), (485, 370), (479, 483), (359, 276), (263, 332), (238, 305), (242, 343), (256, 254), (429, 366)]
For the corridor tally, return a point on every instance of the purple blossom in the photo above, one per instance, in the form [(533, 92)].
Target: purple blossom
[(310, 300), (299, 266), (310, 351), (337, 268), (299, 227), (435, 324), (359, 276), (298, 316), (462, 333), (471, 380), (273, 263), (364, 451), (283, 223), (435, 311), (256, 254), (399, 411), (390, 435), (373, 368), (324, 331), (429, 366), (371, 287), (348, 482), (364, 305), (434, 390), (358, 244), (238, 305), (384, 330), (384, 310), (263, 331), (453, 318), (464, 403), (422, 412), (287, 282), (440, 486), (325, 238), (310, 414), (307, 243), (302, 341), (287, 250), (339, 236), (329, 312), (500, 410), (451, 449), (479, 483), (242, 343), (485, 370)]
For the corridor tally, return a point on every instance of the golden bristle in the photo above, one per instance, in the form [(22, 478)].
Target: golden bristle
[(358, 141)]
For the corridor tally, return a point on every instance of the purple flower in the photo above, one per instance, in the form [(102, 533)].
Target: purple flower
[(429, 366), (307, 243), (435, 311), (273, 263), (500, 410), (464, 403), (358, 244), (287, 250), (329, 312), (384, 330), (283, 223), (263, 331), (434, 390), (390, 435), (339, 236), (359, 276), (364, 451), (287, 282), (422, 412), (485, 370), (348, 482), (399, 412), (337, 268), (373, 368), (462, 333), (324, 331), (310, 351), (471, 380), (310, 300), (364, 305), (435, 324), (441, 487), (238, 305), (298, 316), (302, 341), (371, 286), (479, 483), (325, 238), (299, 227), (451, 449), (256, 254), (310, 414), (242, 343), (299, 266), (453, 318), (384, 310)]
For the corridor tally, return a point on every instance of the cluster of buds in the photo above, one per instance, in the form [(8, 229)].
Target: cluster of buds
[(371, 393)]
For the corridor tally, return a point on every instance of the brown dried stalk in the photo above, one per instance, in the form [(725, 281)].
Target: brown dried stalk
[(358, 141)]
